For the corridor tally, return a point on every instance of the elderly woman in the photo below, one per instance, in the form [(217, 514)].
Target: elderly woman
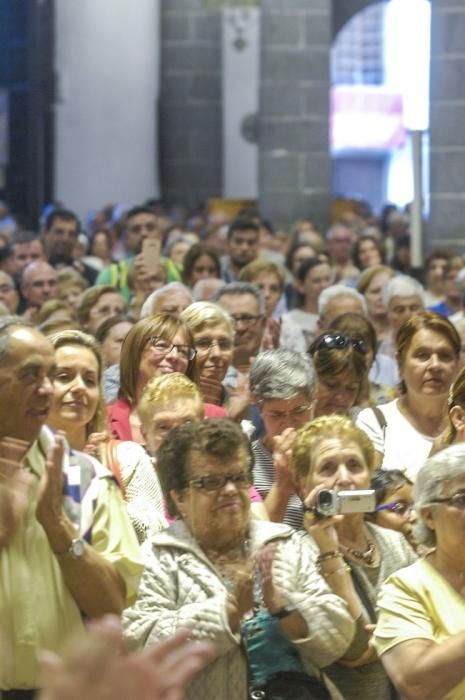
[(282, 386), (353, 556), (371, 284), (213, 335), (341, 367), (420, 633), (403, 430), (403, 296), (213, 565)]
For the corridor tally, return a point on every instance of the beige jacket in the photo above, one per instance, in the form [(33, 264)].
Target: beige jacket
[(180, 587)]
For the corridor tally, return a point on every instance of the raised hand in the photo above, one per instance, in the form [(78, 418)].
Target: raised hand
[(50, 504), (15, 485), (98, 668), (282, 451)]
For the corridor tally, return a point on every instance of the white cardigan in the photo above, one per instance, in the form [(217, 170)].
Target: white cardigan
[(180, 587)]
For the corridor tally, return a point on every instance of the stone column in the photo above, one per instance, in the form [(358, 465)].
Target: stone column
[(190, 131), (294, 161), (447, 167)]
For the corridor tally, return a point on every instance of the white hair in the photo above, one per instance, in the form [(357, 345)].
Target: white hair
[(149, 303), (204, 289), (403, 286), (339, 290), (445, 466)]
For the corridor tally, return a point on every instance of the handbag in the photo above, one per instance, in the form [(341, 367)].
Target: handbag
[(276, 671)]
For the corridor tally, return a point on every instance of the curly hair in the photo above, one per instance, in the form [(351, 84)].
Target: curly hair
[(219, 438)]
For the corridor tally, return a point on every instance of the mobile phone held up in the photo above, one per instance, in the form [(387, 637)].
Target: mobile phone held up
[(151, 253)]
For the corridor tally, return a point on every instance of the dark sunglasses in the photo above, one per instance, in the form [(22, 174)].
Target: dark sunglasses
[(336, 341)]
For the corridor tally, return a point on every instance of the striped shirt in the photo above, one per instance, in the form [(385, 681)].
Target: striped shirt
[(263, 479)]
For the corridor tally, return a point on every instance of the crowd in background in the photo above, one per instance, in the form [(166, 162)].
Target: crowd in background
[(176, 389)]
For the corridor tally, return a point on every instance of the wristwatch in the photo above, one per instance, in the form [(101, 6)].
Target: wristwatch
[(284, 612), (75, 550)]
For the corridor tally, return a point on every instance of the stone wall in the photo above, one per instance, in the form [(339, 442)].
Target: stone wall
[(295, 166), (190, 140)]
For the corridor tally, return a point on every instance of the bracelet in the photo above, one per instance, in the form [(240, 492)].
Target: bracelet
[(342, 570), (328, 555)]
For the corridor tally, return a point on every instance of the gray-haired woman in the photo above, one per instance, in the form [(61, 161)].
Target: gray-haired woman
[(420, 635), (282, 385)]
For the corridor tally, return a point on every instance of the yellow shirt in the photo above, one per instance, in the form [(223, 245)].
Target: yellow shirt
[(37, 611), (418, 603)]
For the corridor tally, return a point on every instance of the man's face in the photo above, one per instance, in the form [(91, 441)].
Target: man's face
[(8, 293), (39, 285), (26, 384), (249, 325), (138, 227), (340, 245), (26, 253), (243, 247), (61, 238)]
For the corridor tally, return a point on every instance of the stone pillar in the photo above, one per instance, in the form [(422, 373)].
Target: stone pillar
[(190, 130), (447, 168), (294, 161)]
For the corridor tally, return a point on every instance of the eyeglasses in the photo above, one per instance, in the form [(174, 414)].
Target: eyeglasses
[(399, 507), (297, 412), (216, 482), (204, 345), (245, 319), (456, 501), (163, 347), (328, 341)]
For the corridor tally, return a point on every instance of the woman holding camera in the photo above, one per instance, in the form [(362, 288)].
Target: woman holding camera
[(353, 556)]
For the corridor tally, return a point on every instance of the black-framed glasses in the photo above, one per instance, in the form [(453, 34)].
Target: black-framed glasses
[(216, 482), (246, 319), (337, 341), (204, 345), (398, 507), (164, 347), (456, 501)]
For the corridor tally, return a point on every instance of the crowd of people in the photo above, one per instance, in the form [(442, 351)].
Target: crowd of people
[(180, 395)]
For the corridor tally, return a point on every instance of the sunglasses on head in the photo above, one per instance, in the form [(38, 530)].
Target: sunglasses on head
[(336, 341)]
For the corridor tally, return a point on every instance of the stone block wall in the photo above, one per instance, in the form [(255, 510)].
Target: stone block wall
[(190, 142)]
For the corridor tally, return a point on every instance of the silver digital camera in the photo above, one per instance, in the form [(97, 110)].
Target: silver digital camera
[(341, 502)]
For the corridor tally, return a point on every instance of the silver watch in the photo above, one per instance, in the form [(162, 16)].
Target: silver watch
[(75, 550)]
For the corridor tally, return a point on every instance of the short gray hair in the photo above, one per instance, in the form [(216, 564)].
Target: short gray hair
[(443, 467), (237, 288), (6, 323), (403, 286), (281, 374), (147, 306), (339, 290)]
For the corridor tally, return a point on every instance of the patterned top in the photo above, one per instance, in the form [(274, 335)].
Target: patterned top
[(263, 479)]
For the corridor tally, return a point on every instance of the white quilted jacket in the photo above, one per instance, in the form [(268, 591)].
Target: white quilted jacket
[(181, 588)]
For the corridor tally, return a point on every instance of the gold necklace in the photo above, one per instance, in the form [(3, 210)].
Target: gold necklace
[(366, 556)]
